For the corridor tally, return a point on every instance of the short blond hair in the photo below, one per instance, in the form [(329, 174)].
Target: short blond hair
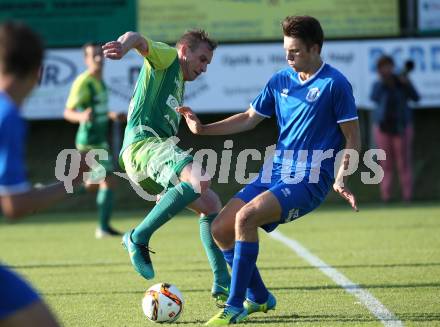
[(193, 38)]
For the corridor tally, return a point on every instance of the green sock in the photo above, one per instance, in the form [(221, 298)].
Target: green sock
[(104, 201), (170, 204), (215, 256)]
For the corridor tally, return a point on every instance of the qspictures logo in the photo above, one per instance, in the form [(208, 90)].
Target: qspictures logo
[(294, 166)]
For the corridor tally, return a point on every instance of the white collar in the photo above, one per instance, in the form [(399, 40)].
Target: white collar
[(311, 77)]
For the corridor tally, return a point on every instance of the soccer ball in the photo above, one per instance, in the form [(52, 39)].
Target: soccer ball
[(162, 302)]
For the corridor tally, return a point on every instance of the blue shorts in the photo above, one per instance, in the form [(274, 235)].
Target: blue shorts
[(15, 293), (296, 200)]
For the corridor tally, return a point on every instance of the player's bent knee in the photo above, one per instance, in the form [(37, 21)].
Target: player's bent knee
[(216, 229), (205, 185), (244, 218), (214, 204), (195, 175), (200, 186), (221, 231)]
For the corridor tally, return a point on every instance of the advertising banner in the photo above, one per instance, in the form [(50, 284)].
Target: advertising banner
[(259, 20), (60, 69), (424, 53), (428, 17), (245, 70), (237, 73)]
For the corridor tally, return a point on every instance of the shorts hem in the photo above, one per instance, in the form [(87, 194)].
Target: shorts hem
[(182, 164)]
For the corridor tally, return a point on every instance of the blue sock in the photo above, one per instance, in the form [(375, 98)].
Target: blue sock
[(245, 257), (229, 256), (257, 291)]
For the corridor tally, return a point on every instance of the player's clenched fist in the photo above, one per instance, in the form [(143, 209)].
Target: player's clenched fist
[(130, 40), (113, 50)]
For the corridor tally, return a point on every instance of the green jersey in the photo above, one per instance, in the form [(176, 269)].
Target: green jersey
[(89, 92), (158, 92)]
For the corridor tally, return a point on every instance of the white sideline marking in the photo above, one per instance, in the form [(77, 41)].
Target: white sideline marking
[(366, 298)]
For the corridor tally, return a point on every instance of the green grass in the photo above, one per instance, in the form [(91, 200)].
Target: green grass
[(393, 252)]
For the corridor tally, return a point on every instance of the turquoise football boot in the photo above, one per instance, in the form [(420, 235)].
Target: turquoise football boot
[(252, 307), (139, 256), (220, 295), (229, 315)]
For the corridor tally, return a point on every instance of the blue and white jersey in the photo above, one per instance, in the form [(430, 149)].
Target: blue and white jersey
[(12, 137), (308, 115)]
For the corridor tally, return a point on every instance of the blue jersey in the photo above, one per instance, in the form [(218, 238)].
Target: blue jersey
[(15, 293), (12, 136), (308, 115)]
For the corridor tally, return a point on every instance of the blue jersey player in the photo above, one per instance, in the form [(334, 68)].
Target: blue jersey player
[(317, 118), (21, 54)]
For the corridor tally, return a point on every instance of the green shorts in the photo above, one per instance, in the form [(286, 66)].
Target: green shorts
[(104, 167), (154, 164)]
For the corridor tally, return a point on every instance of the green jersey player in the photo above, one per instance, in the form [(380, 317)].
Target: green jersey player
[(87, 105), (152, 159)]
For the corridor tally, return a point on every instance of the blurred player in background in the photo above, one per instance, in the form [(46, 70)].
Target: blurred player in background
[(87, 105), (315, 111), (392, 128), (21, 54), (150, 157)]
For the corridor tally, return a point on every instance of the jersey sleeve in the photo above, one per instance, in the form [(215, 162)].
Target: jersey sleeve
[(79, 94), (13, 178), (264, 103), (344, 105), (160, 55)]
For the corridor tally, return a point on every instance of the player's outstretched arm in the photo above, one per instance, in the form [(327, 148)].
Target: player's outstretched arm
[(235, 124), (352, 136), (130, 40), (19, 205)]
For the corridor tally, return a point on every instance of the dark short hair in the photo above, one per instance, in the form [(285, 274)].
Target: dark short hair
[(306, 28), (21, 49), (384, 60), (193, 38), (89, 44)]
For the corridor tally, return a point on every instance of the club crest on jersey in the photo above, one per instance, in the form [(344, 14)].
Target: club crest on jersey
[(313, 94), (172, 102), (284, 93)]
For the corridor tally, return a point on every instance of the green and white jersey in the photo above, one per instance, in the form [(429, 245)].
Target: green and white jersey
[(89, 92), (158, 92)]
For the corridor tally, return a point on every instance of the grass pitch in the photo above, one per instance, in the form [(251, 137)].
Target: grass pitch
[(392, 252)]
